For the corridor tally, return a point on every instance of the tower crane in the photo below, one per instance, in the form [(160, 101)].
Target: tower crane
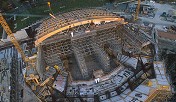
[(27, 60), (12, 38), (11, 35), (137, 11)]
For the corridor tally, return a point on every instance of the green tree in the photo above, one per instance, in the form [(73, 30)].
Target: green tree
[(4, 5)]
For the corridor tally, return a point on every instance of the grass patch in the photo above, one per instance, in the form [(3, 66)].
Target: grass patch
[(64, 5), (57, 7)]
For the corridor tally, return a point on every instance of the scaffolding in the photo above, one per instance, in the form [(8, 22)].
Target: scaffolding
[(102, 57), (81, 62), (159, 95), (16, 80), (83, 44)]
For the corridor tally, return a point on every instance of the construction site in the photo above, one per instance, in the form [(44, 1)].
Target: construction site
[(92, 54)]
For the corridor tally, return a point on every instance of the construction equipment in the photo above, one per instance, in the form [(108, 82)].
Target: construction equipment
[(12, 38), (27, 60), (57, 68), (46, 81), (33, 77), (51, 14), (137, 11), (32, 80)]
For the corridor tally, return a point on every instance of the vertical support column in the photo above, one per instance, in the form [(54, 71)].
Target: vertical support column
[(81, 62), (66, 63), (115, 46), (40, 63), (102, 57), (155, 39)]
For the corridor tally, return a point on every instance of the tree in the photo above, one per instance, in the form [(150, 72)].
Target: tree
[(4, 5)]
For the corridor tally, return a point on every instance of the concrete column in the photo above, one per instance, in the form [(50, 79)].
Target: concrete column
[(40, 63), (102, 57), (155, 39), (81, 62)]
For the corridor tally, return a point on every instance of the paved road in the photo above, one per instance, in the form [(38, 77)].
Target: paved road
[(157, 21), (160, 9)]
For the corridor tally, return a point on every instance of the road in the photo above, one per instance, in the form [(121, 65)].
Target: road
[(157, 21), (160, 9)]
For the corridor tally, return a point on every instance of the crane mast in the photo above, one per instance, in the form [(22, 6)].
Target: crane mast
[(137, 11), (12, 38)]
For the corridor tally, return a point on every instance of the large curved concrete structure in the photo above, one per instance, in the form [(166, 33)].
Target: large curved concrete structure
[(73, 19), (101, 57)]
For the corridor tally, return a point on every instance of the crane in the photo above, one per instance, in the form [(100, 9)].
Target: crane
[(12, 38), (31, 78), (137, 11)]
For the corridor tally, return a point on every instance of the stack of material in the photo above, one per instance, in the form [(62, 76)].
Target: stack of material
[(60, 82)]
